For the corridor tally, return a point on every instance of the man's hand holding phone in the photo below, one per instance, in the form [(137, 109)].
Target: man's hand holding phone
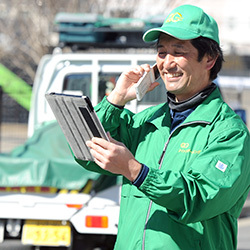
[(125, 90), (145, 82)]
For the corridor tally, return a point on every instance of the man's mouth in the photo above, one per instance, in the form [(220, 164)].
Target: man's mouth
[(173, 75)]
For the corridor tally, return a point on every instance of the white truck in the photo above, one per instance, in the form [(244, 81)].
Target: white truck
[(46, 199)]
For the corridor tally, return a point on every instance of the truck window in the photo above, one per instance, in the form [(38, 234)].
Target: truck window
[(78, 82), (106, 83)]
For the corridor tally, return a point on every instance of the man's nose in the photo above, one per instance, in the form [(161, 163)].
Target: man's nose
[(169, 61)]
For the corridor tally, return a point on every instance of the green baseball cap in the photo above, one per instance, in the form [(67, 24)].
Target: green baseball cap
[(186, 22)]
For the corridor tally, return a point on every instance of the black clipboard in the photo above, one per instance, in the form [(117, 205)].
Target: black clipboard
[(78, 121)]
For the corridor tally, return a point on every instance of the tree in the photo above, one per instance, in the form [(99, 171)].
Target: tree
[(27, 27), (27, 33)]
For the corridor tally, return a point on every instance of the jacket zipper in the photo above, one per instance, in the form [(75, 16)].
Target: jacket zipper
[(160, 165)]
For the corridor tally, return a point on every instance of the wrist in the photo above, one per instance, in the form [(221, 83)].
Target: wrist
[(133, 170), (116, 99)]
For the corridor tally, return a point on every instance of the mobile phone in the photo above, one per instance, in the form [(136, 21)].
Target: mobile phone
[(141, 87)]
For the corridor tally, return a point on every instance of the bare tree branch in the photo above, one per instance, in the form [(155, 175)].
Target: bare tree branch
[(27, 26)]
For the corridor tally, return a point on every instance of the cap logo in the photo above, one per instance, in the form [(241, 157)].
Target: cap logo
[(174, 17)]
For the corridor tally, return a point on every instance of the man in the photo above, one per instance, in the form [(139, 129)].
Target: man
[(185, 163)]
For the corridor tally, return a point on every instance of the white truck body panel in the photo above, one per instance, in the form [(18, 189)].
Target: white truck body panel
[(40, 206), (105, 203)]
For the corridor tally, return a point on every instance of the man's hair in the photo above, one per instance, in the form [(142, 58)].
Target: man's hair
[(210, 47)]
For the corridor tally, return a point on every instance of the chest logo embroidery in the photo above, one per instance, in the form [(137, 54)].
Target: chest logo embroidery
[(184, 148), (184, 145)]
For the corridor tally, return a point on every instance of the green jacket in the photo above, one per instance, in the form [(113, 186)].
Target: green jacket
[(193, 198)]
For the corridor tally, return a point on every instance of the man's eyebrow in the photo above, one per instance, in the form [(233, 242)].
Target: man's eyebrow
[(158, 46), (178, 46)]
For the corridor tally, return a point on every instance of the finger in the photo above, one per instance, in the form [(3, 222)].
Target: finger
[(153, 86), (145, 67), (96, 147), (100, 141), (89, 143), (142, 69), (111, 139), (97, 152), (109, 136), (99, 163), (104, 143), (98, 158)]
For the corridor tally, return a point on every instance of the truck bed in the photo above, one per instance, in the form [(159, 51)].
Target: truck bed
[(44, 160)]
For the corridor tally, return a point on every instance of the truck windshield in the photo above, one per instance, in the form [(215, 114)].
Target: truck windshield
[(107, 83), (78, 83)]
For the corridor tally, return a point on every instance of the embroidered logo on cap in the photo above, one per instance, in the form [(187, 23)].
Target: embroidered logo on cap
[(221, 166), (174, 17)]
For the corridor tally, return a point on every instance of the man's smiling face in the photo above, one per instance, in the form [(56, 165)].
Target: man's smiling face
[(182, 73)]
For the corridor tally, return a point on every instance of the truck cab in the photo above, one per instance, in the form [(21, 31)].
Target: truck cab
[(93, 75)]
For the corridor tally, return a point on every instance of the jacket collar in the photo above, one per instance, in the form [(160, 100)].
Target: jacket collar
[(206, 111), (192, 102)]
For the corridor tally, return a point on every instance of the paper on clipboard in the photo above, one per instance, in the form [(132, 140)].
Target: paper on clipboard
[(78, 121)]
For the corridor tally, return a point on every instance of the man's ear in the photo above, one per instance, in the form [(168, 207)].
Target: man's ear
[(211, 61)]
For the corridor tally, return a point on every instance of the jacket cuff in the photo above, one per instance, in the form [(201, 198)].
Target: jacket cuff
[(141, 176), (117, 106)]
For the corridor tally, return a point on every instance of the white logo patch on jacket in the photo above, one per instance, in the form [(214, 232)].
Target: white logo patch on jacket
[(221, 166)]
